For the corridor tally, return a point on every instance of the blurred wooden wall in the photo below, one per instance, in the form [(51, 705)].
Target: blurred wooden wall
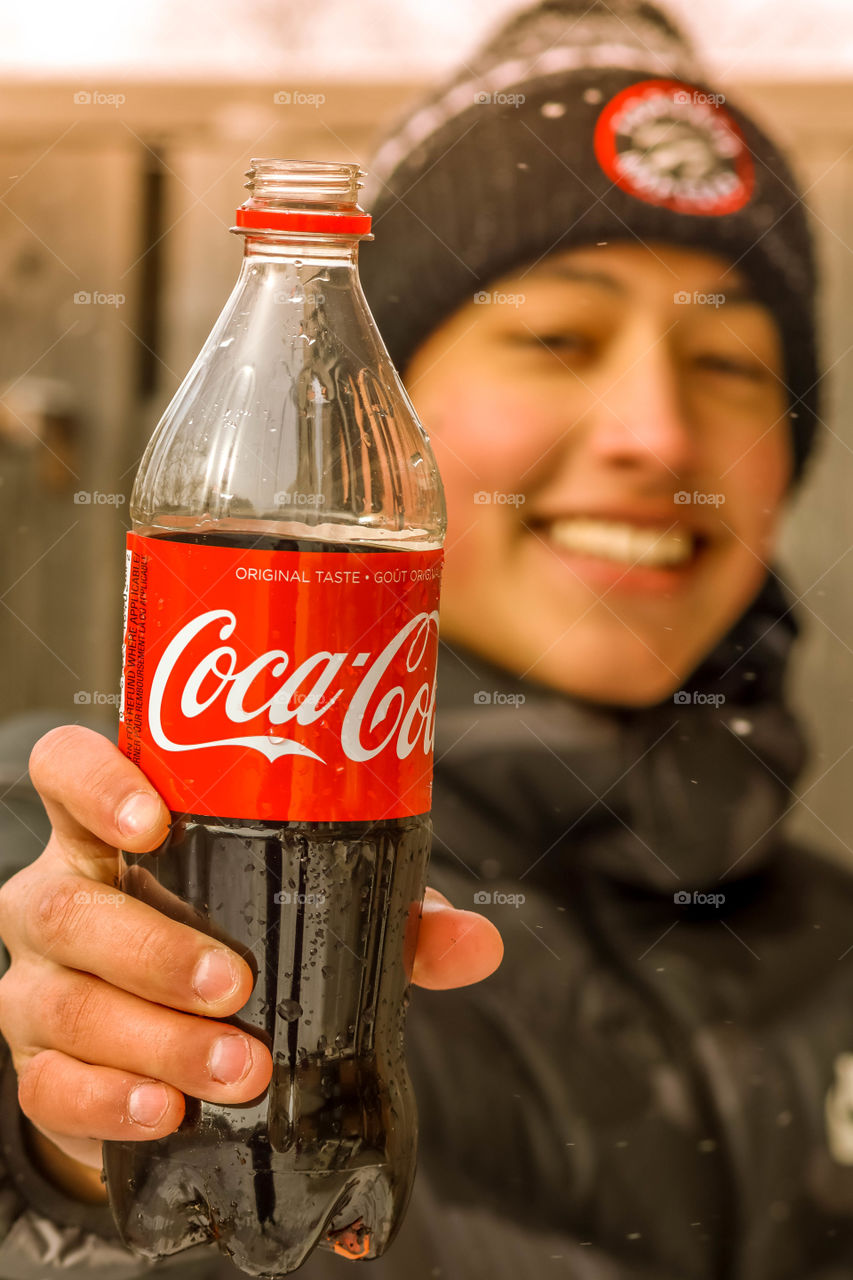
[(129, 203)]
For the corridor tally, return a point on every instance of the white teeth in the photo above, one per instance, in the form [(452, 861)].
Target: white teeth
[(627, 543)]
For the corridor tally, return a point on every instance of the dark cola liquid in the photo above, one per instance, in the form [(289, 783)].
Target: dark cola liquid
[(326, 914)]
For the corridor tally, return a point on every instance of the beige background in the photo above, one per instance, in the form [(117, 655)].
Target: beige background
[(379, 39)]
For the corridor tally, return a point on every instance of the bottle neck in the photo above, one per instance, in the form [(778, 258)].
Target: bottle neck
[(302, 213), (325, 251)]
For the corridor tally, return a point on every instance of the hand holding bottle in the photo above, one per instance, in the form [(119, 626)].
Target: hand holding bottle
[(111, 1008)]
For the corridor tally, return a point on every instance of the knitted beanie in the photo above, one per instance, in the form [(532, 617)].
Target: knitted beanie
[(582, 122)]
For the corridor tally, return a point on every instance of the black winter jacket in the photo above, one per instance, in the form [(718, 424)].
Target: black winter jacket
[(657, 1084)]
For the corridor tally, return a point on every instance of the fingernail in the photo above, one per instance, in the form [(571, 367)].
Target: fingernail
[(230, 1059), (147, 1104), (215, 976), (429, 906), (141, 812)]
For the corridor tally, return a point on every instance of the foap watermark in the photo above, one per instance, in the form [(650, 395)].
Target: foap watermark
[(484, 297), (286, 498), (486, 898), (685, 497), (83, 298), (287, 899), (482, 98), (482, 499), (495, 698), (94, 698), (94, 498), (297, 295), (697, 898), (95, 98), (311, 699), (98, 896), (699, 299), (693, 697), (685, 96), (298, 98)]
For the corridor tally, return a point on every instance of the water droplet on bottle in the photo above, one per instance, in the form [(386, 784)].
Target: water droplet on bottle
[(290, 1010), (226, 342)]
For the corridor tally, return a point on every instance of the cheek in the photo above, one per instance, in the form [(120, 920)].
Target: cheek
[(487, 436), (755, 488)]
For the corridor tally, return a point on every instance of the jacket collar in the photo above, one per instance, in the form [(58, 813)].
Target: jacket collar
[(672, 797)]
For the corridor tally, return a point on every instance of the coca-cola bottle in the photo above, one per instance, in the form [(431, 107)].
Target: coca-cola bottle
[(279, 690)]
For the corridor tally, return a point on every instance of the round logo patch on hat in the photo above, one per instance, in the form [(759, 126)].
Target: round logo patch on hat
[(675, 145)]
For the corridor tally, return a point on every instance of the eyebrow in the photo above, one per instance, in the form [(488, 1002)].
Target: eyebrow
[(579, 275), (737, 295)]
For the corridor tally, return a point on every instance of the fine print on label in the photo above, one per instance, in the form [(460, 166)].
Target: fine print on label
[(281, 684)]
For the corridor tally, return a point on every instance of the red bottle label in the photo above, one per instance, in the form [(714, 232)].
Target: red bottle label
[(281, 684)]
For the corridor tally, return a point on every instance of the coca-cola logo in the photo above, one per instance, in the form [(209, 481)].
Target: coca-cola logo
[(197, 675), (281, 684)]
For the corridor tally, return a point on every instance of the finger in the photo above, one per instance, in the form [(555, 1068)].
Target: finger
[(89, 1020), (96, 799), (147, 888), (78, 1105), (84, 925), (455, 948), (64, 1157)]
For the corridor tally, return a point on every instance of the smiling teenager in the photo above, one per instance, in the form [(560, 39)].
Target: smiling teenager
[(649, 444), (597, 276)]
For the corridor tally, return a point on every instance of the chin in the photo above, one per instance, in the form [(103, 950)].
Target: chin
[(595, 664), (626, 679), (617, 692)]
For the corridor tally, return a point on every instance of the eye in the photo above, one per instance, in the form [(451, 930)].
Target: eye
[(731, 366), (564, 343)]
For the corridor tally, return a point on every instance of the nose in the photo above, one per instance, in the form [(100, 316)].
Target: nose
[(637, 419)]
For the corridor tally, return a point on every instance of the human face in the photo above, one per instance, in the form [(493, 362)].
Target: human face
[(570, 415)]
